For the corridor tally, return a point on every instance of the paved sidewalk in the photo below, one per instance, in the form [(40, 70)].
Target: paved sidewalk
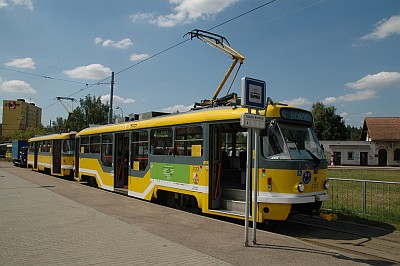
[(40, 227), (46, 220)]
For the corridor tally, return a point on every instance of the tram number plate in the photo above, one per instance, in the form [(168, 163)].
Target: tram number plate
[(313, 185)]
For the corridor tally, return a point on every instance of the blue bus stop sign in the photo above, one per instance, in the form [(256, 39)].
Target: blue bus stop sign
[(254, 93)]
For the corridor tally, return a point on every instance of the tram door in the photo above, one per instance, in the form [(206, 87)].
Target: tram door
[(76, 170), (215, 166), (57, 156), (35, 155), (121, 160)]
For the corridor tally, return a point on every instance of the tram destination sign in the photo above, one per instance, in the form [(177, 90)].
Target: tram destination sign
[(294, 114), (253, 93)]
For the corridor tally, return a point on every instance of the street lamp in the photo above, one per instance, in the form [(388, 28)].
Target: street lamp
[(122, 111)]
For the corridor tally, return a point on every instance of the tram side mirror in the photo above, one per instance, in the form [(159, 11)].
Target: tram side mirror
[(272, 124)]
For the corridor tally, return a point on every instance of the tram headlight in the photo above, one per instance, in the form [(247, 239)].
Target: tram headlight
[(300, 187), (326, 184)]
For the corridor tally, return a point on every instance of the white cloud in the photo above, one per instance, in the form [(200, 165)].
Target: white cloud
[(177, 108), (98, 40), (384, 28), (141, 17), (185, 11), (367, 87), (22, 63), (3, 3), (92, 72), (16, 86), (139, 57), (122, 44), (329, 100), (27, 3), (116, 99), (297, 102), (344, 115), (358, 96), (377, 81)]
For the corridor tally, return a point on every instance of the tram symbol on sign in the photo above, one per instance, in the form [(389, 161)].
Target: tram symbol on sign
[(253, 93)]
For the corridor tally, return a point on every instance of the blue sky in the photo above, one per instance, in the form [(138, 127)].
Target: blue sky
[(345, 53)]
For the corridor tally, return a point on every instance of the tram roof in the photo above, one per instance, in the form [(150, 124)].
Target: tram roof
[(53, 136), (195, 116)]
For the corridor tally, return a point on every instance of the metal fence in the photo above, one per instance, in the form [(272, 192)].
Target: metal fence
[(368, 198)]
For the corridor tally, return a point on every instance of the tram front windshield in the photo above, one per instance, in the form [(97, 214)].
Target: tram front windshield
[(284, 141), (69, 146)]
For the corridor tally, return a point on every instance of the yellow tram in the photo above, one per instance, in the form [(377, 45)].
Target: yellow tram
[(197, 160), (53, 154), (5, 150)]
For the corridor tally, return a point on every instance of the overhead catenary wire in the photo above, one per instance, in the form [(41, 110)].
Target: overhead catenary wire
[(87, 86), (212, 28), (43, 76), (182, 42), (169, 48)]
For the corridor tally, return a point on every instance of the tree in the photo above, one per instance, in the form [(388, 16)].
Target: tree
[(353, 133), (327, 124), (59, 125), (30, 132), (90, 111)]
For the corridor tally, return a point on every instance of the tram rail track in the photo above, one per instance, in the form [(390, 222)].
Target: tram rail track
[(376, 243), (330, 228)]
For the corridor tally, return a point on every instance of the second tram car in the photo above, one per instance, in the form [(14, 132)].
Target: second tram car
[(197, 160), (53, 154), (5, 150)]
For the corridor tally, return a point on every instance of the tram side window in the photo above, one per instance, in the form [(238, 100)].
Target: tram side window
[(69, 146), (140, 150), (95, 144), (46, 146), (186, 137), (84, 145), (106, 149), (234, 143), (161, 141), (31, 147)]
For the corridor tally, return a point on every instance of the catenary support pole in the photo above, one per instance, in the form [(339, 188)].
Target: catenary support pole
[(110, 112)]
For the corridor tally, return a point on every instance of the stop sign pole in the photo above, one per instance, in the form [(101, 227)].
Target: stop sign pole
[(253, 97)]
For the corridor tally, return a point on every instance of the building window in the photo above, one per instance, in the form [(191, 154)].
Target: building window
[(396, 156), (350, 155)]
